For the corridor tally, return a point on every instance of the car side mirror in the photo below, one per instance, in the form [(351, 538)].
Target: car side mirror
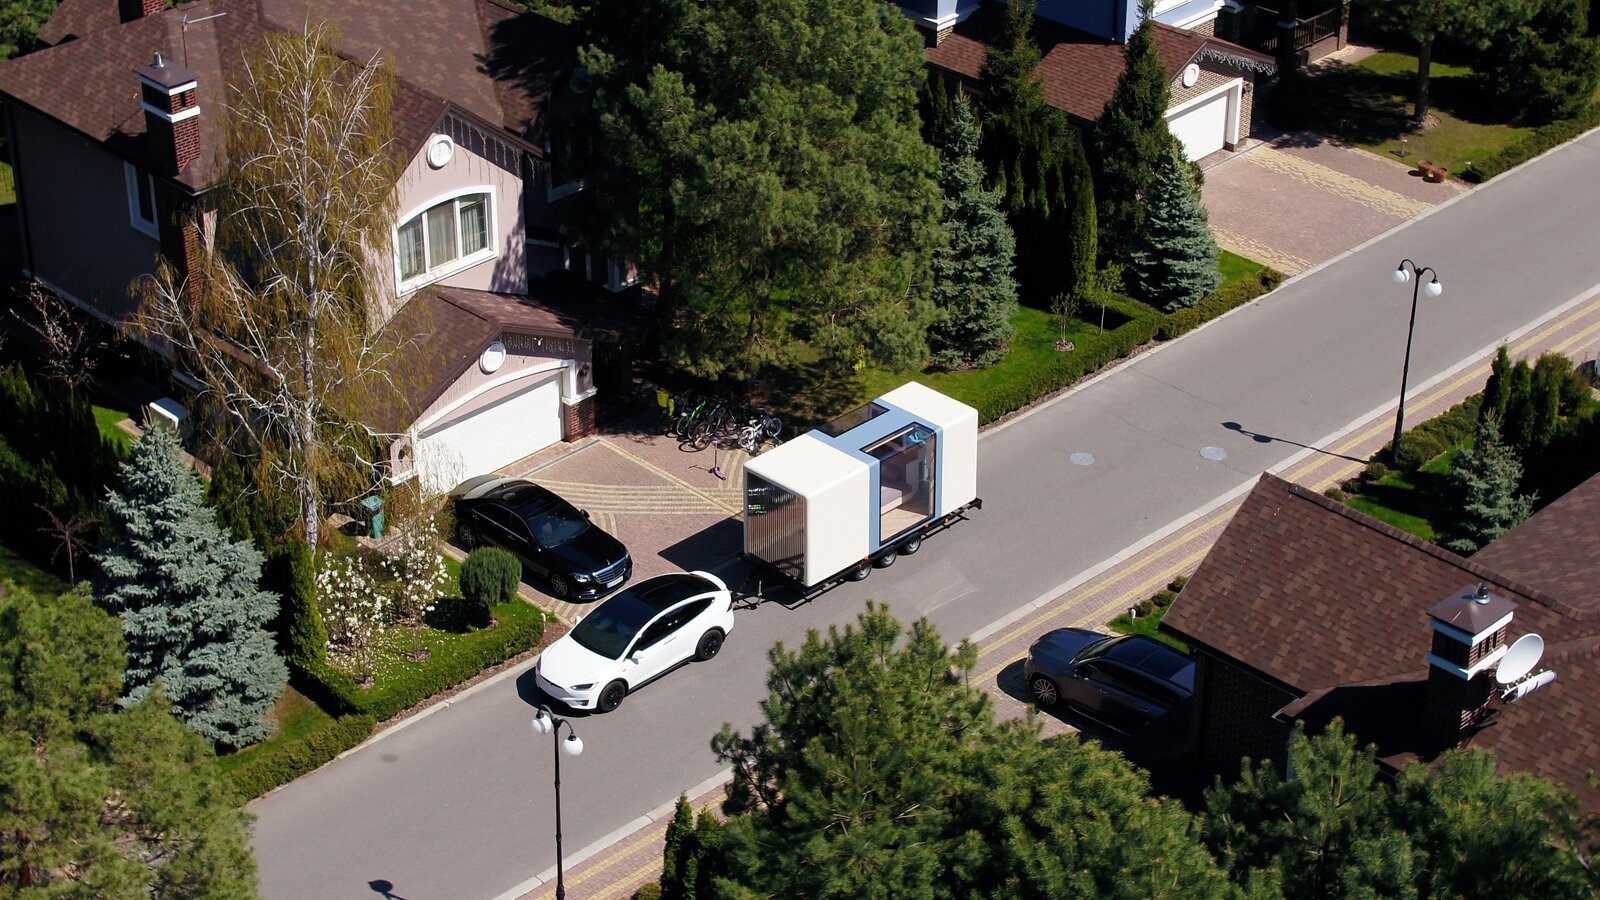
[(585, 513)]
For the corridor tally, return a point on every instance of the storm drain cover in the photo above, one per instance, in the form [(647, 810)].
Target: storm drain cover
[(1213, 453), (1082, 459)]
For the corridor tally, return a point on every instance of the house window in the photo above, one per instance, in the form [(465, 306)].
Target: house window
[(141, 200), (444, 238)]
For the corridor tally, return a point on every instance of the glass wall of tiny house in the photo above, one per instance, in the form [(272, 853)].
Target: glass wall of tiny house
[(831, 499), (956, 424), (906, 463)]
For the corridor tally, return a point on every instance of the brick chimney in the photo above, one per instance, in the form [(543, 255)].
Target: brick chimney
[(171, 116), (1469, 638), (128, 10)]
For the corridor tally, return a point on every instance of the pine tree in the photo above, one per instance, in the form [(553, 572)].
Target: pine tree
[(974, 295), (1517, 429), (1129, 140), (880, 771), (192, 614), (1545, 70), (1173, 263), (1497, 390), (96, 802), (1082, 229), (675, 855), (1480, 497)]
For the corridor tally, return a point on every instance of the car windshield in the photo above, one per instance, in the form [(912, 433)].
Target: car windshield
[(613, 624), (555, 522)]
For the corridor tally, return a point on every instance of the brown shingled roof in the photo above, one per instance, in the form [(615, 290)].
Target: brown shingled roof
[(1079, 69), (1333, 605), (489, 59), (76, 18)]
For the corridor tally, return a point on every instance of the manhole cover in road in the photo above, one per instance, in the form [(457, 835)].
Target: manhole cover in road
[(1213, 453), (1082, 459)]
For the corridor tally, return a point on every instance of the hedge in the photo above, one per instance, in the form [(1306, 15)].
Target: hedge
[(1092, 353), (286, 762), (463, 657), (1547, 137), (1225, 298), (1437, 435)]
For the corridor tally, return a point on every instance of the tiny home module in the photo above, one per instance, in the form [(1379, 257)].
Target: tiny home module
[(863, 489)]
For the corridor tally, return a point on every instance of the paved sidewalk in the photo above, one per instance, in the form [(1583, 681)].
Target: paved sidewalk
[(619, 868)]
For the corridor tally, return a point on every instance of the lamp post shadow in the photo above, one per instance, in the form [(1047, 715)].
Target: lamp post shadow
[(1270, 439)]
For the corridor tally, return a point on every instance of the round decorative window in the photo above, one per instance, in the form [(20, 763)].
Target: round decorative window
[(493, 357), (1191, 74), (440, 150)]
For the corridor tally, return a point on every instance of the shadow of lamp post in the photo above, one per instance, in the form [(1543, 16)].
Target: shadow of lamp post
[(1434, 289), (546, 722)]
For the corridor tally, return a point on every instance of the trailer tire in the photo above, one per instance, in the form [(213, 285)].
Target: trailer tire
[(910, 547), (861, 571), (886, 560)]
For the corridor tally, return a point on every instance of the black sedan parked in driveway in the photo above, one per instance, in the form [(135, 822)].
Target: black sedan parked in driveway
[(1123, 681), (555, 541)]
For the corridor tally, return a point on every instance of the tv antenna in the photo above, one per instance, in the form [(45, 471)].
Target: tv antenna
[(184, 24), (1512, 672)]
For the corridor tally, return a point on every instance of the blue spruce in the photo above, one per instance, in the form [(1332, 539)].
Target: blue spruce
[(974, 293), (192, 613), (1173, 263)]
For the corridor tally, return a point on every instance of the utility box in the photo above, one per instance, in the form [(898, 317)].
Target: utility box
[(372, 509), (863, 488)]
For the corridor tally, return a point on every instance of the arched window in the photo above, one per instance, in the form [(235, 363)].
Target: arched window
[(446, 237)]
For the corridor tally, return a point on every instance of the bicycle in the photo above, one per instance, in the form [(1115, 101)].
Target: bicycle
[(759, 429), (692, 412), (712, 425)]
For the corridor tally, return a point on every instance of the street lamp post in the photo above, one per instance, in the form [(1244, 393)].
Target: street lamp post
[(1434, 288), (546, 722)]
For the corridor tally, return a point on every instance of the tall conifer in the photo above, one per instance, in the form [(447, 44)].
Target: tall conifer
[(1129, 140), (1173, 262)]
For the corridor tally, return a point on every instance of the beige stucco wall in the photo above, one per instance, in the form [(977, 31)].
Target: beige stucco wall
[(421, 185), (75, 203)]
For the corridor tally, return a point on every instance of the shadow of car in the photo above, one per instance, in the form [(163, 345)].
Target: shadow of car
[(554, 540), (1124, 682)]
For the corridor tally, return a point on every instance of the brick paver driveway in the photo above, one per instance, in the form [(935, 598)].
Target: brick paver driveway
[(1298, 200)]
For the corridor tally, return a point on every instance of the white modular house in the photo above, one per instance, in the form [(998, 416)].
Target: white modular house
[(863, 489)]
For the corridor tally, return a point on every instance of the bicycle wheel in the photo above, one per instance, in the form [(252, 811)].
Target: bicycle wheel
[(773, 425), (701, 438)]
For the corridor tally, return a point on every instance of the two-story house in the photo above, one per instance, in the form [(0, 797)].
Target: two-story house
[(1212, 81), (116, 134)]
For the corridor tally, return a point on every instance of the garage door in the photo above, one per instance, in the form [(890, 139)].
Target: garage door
[(1204, 128), (491, 437)]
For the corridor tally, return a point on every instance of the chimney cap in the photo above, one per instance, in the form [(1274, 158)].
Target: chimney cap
[(163, 72), (1473, 609)]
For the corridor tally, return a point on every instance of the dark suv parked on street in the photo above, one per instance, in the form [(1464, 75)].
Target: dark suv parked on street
[(1123, 681)]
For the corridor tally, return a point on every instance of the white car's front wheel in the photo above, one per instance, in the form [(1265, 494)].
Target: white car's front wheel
[(611, 696)]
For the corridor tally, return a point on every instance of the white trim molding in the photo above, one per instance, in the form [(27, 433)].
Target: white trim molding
[(178, 116), (1478, 667), (428, 276), (422, 425), (131, 175)]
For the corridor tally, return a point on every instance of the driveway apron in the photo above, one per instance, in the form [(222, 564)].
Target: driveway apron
[(1298, 200)]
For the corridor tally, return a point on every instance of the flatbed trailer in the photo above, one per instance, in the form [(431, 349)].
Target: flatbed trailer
[(863, 490)]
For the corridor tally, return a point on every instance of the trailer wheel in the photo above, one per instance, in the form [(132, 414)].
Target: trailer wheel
[(861, 571), (911, 546), (886, 560)]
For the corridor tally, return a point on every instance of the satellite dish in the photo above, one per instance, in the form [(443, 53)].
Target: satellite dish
[(1527, 687), (1520, 659)]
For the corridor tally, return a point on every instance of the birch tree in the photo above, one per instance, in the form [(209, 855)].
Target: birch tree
[(280, 322)]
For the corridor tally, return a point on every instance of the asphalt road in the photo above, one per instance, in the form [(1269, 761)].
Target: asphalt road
[(458, 805)]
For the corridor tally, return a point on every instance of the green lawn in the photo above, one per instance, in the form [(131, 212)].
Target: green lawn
[(1369, 105), (1409, 503), (29, 576), (107, 418), (297, 717), (1235, 267)]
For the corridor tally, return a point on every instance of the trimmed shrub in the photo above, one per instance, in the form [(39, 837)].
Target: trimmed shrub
[(1437, 435), (1225, 298), (291, 573), (284, 763), (1094, 352), (1375, 471), (519, 629), (1546, 138), (490, 577), (648, 891), (1336, 495)]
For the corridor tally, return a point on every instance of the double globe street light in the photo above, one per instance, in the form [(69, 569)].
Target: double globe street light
[(1434, 289), (546, 722)]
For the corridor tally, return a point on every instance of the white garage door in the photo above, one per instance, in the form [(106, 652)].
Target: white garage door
[(497, 435), (1203, 128)]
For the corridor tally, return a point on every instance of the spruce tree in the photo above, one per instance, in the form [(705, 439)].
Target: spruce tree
[(1173, 262), (1480, 497), (1545, 70), (974, 294), (192, 614), (1129, 140), (1497, 390)]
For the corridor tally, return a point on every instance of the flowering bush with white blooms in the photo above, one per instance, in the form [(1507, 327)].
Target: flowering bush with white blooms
[(354, 610), (415, 565)]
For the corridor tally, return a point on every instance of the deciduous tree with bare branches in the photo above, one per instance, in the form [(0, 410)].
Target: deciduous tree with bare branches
[(281, 320), (70, 345)]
